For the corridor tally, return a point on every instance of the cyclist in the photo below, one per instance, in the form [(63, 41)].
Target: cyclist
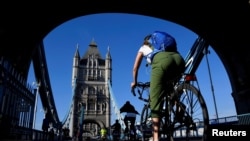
[(103, 133), (117, 130), (166, 65), (129, 117)]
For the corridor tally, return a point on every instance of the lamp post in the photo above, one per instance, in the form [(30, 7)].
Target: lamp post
[(210, 78), (35, 106)]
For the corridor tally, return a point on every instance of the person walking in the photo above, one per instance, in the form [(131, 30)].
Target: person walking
[(165, 65)]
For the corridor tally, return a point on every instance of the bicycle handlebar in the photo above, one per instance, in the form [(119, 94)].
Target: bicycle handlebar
[(140, 88)]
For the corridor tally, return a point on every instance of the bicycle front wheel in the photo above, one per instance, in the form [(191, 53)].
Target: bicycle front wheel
[(190, 113), (146, 123)]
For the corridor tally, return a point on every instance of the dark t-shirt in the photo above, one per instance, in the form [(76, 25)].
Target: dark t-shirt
[(127, 107)]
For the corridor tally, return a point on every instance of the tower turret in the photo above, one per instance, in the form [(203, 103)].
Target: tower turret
[(108, 66), (76, 60), (91, 92)]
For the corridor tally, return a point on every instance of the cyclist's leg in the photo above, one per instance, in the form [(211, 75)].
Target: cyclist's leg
[(155, 125), (156, 95), (157, 87), (156, 107)]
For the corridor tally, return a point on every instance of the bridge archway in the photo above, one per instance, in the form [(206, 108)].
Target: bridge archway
[(98, 122), (229, 39), (93, 131)]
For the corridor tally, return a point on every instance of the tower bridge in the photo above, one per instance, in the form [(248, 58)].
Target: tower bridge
[(78, 118), (21, 43)]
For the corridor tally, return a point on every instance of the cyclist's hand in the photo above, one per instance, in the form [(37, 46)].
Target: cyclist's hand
[(133, 85)]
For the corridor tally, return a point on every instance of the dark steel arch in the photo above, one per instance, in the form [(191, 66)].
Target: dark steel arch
[(23, 27)]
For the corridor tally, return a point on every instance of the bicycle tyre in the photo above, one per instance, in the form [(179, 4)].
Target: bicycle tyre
[(196, 116), (146, 123)]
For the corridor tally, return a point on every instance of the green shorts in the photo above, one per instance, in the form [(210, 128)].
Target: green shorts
[(165, 67)]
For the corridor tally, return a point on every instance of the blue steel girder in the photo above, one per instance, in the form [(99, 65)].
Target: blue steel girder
[(195, 55)]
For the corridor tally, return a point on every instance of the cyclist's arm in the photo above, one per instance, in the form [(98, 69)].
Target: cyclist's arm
[(136, 67)]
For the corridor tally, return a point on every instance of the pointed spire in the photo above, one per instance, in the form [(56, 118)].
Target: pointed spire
[(77, 55), (108, 56)]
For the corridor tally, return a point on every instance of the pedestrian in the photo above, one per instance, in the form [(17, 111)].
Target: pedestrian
[(165, 66)]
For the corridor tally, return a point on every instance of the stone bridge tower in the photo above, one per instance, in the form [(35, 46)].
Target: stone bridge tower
[(90, 77)]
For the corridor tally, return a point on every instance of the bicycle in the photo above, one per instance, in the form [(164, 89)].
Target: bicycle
[(130, 135), (184, 112)]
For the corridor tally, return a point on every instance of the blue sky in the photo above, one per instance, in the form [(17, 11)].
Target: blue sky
[(123, 34)]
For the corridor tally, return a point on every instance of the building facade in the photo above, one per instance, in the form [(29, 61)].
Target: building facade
[(91, 76)]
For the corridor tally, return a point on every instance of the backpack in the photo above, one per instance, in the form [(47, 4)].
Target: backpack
[(160, 41)]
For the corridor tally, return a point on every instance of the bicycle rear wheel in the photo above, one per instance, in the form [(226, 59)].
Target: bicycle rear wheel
[(189, 113), (146, 123)]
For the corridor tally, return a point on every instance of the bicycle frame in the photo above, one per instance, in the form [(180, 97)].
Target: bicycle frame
[(192, 60), (130, 135), (177, 111)]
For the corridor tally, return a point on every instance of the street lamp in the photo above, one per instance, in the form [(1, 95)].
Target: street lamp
[(37, 85), (210, 78)]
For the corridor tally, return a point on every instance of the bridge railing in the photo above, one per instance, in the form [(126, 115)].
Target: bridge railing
[(244, 119), (225, 120), (17, 100), (231, 120)]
